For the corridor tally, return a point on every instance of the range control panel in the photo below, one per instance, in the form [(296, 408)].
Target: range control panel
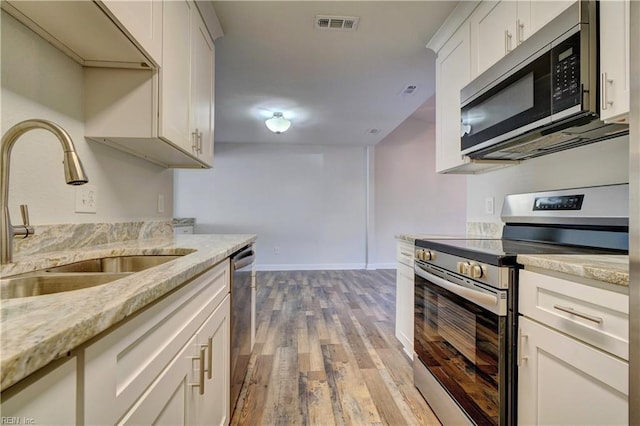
[(564, 202)]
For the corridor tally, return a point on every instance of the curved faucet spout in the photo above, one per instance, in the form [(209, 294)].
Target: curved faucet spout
[(73, 171)]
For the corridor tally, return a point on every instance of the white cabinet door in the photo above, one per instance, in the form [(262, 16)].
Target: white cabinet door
[(562, 381), (175, 74), (213, 406), (493, 33), (404, 307), (142, 19), (535, 14), (498, 27), (452, 73), (168, 400), (202, 90), (614, 60), (46, 397)]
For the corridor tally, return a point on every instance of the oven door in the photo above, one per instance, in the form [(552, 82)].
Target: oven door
[(461, 339)]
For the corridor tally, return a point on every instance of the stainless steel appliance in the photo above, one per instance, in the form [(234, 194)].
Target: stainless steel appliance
[(241, 318), (541, 98), (466, 319)]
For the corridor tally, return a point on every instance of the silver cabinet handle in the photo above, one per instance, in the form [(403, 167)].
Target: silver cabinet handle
[(507, 41), (604, 103), (521, 338), (194, 141), (572, 311), (199, 137), (201, 360), (210, 357), (519, 32)]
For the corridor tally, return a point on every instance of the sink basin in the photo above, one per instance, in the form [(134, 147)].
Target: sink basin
[(41, 283), (79, 275), (115, 264)]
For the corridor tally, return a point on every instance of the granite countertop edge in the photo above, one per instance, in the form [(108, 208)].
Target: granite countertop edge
[(612, 269), (35, 331)]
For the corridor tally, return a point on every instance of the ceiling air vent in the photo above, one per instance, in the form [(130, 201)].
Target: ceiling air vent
[(408, 90), (337, 23)]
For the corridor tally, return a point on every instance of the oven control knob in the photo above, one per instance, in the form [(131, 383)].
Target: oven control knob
[(419, 254), (463, 268), (429, 255), (475, 271)]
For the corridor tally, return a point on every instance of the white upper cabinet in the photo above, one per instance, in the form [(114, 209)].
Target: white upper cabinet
[(141, 21), (202, 90), (614, 61), (93, 33), (175, 74), (498, 27), (174, 107), (452, 73), (535, 14), (493, 33)]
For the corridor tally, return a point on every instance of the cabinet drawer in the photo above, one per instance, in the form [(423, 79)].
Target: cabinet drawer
[(405, 253), (123, 363), (593, 315)]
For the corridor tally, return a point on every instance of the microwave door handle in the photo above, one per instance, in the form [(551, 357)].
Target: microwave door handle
[(488, 301)]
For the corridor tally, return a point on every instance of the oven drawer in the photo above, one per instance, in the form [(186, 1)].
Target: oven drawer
[(405, 253), (588, 313)]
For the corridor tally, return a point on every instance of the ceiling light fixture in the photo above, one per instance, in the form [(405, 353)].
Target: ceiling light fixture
[(278, 124)]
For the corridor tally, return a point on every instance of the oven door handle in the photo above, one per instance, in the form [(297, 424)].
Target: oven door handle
[(489, 301)]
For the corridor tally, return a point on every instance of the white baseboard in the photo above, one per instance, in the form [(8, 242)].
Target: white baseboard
[(374, 266), (310, 267)]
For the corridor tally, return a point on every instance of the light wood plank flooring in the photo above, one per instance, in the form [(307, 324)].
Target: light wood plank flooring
[(326, 354)]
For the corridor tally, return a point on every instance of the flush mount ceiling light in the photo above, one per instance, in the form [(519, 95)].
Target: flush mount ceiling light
[(278, 124)]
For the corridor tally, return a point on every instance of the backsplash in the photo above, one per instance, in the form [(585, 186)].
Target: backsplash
[(484, 229), (50, 238)]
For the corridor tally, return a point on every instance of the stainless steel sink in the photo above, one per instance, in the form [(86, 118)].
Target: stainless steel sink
[(38, 284), (115, 264), (79, 275)]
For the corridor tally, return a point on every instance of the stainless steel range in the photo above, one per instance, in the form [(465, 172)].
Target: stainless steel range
[(466, 293)]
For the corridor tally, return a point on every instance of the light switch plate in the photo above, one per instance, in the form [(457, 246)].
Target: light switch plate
[(86, 199)]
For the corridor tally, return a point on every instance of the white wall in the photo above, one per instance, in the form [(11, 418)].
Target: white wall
[(38, 81), (305, 203), (409, 196), (600, 163)]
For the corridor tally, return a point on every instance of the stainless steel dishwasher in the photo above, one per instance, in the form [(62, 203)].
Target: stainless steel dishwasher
[(242, 317)]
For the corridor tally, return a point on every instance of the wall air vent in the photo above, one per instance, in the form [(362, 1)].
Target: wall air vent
[(337, 23)]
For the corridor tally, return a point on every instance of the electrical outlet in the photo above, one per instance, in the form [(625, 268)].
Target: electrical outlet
[(489, 205), (276, 250), (160, 203), (86, 199)]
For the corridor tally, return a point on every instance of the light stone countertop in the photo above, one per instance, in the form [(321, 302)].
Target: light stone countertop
[(613, 269), (411, 238), (35, 331)]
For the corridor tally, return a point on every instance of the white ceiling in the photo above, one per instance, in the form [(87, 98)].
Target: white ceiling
[(334, 86)]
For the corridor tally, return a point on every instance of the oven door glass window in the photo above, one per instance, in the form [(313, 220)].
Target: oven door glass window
[(463, 346)]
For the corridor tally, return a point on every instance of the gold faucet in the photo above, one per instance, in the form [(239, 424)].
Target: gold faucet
[(73, 172)]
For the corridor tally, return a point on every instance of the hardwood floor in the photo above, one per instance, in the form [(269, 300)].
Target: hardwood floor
[(326, 354)]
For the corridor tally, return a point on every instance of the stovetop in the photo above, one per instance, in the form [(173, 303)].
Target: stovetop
[(502, 251)]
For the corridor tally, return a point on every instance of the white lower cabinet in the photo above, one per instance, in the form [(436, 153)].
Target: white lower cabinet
[(572, 351), (562, 381), (46, 397), (405, 296), (181, 394), (147, 370)]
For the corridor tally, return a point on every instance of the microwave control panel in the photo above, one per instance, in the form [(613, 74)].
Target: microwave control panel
[(565, 63)]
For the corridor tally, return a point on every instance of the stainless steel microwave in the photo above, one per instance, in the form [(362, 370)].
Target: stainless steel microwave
[(543, 97)]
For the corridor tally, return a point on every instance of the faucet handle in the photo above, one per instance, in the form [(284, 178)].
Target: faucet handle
[(24, 211)]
